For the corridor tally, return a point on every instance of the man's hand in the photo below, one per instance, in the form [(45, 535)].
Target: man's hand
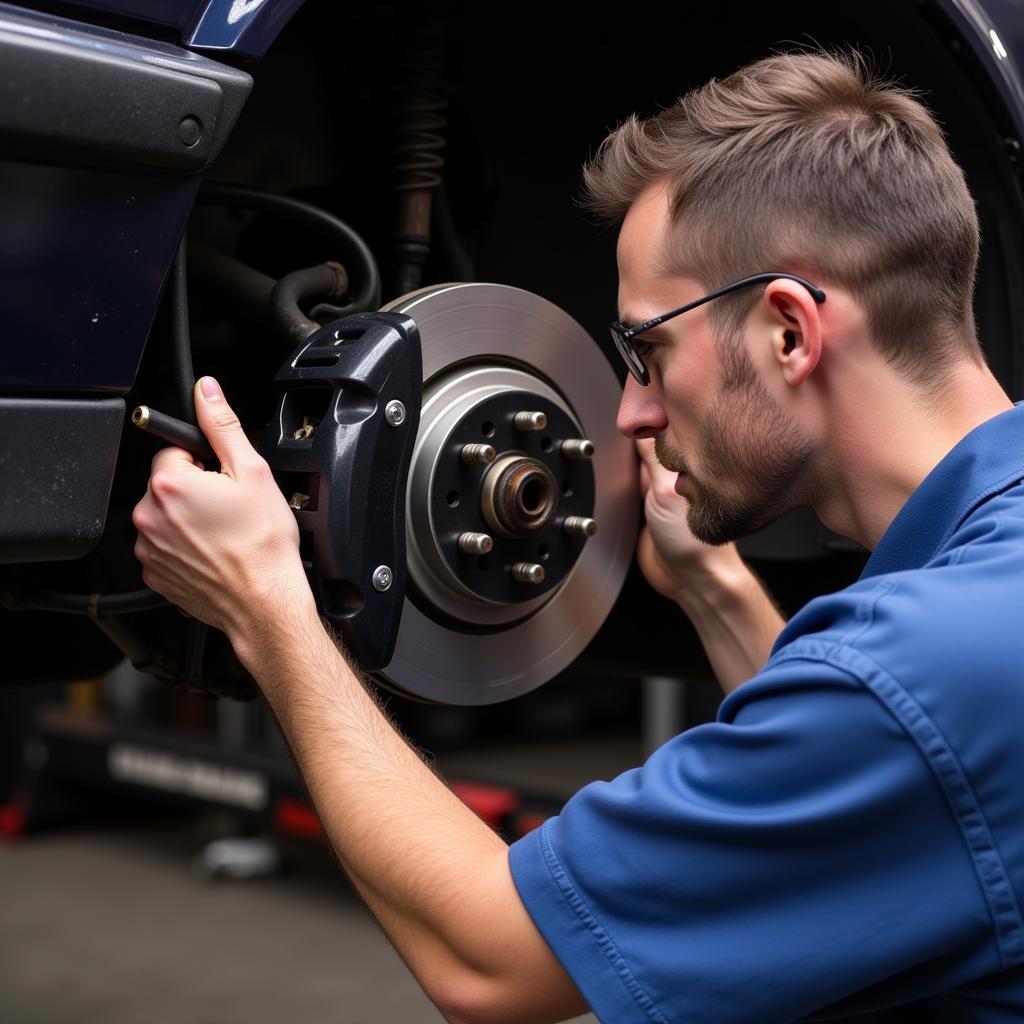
[(672, 560), (222, 546), (730, 609)]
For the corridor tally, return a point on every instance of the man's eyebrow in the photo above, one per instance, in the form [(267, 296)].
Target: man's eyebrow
[(632, 322), (627, 320)]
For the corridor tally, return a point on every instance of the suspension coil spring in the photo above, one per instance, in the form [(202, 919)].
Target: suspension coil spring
[(420, 127), (419, 139), (420, 116)]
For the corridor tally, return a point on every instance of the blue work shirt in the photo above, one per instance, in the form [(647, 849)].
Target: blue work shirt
[(849, 834)]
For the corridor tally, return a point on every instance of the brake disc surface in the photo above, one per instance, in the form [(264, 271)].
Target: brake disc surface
[(478, 628)]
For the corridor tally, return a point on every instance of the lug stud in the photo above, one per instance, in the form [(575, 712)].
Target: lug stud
[(577, 448), (475, 543), (528, 572), (299, 501), (527, 421), (478, 454), (580, 526)]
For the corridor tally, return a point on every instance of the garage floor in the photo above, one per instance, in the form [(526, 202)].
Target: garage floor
[(112, 926)]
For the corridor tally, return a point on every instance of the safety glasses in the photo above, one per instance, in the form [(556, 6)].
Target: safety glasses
[(623, 336)]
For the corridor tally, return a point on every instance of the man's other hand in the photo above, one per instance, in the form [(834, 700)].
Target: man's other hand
[(672, 560), (222, 546), (733, 614)]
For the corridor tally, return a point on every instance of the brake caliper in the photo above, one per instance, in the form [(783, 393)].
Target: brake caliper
[(340, 443)]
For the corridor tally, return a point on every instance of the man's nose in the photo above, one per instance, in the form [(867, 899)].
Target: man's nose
[(640, 410)]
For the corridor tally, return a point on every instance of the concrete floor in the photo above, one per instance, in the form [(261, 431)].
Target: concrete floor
[(112, 925)]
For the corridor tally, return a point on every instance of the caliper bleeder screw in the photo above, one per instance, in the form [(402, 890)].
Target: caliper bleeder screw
[(478, 454), (394, 412), (528, 572), (382, 578), (526, 421), (580, 526), (475, 543), (577, 448)]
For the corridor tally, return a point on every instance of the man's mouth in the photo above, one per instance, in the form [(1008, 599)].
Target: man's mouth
[(672, 461), (669, 457)]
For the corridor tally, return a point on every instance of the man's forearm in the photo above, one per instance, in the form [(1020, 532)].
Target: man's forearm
[(736, 620), (225, 548), (434, 875), (385, 812)]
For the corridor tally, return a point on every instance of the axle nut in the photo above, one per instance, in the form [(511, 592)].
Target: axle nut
[(519, 495)]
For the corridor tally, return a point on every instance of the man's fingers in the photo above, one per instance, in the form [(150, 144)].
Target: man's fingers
[(645, 480), (658, 477), (645, 449), (172, 458), (218, 422)]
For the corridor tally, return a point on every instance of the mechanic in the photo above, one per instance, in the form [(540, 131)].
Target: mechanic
[(848, 836)]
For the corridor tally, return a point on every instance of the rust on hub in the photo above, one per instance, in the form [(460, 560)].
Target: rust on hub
[(519, 495)]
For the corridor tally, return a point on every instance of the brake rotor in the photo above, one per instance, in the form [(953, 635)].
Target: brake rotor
[(522, 501)]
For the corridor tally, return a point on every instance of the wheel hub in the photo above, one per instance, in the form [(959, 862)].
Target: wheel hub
[(521, 504)]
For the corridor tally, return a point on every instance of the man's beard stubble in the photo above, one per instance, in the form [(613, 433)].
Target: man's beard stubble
[(748, 442)]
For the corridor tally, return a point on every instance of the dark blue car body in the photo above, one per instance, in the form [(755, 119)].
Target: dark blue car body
[(112, 112)]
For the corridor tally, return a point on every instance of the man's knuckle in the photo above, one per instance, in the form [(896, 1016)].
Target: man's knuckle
[(259, 469), (163, 484), (225, 419)]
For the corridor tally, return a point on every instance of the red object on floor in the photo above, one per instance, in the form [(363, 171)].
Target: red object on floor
[(491, 803), (13, 818), (527, 822), (297, 820)]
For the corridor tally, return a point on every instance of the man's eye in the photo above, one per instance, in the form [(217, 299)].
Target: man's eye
[(643, 348)]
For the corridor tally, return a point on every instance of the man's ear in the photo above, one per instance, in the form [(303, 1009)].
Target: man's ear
[(795, 329)]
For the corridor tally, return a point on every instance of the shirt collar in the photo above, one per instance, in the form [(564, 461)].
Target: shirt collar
[(988, 460)]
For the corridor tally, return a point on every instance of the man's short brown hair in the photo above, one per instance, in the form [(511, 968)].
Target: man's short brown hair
[(807, 162)]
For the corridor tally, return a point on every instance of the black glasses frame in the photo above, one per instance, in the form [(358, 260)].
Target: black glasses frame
[(623, 336)]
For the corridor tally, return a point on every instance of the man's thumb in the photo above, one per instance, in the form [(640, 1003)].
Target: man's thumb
[(218, 422)]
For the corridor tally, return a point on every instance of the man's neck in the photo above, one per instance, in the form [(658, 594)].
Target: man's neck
[(885, 440)]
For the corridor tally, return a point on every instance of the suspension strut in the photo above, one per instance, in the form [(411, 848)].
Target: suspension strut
[(419, 138)]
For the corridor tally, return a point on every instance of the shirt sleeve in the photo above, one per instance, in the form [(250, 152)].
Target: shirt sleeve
[(794, 858)]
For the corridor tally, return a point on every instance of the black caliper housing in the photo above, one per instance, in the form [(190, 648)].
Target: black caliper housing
[(340, 443)]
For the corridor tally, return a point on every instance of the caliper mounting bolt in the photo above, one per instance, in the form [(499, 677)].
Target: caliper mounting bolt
[(527, 421), (394, 413), (478, 454), (577, 448), (528, 572), (475, 543), (382, 578), (580, 526)]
